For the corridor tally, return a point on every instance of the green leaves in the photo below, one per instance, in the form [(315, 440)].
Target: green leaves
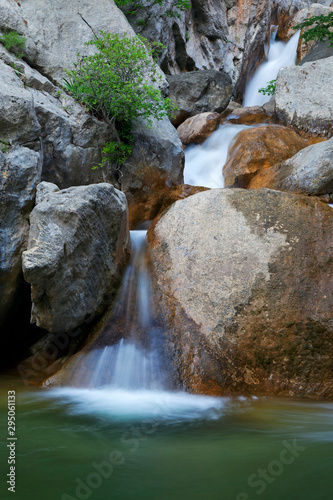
[(320, 28), (14, 43), (269, 89), (115, 84)]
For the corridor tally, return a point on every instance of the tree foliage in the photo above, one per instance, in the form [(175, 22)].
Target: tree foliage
[(320, 28), (118, 84)]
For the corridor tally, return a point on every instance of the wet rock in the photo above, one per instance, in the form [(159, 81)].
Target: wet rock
[(249, 116), (198, 128), (244, 282), (257, 149), (199, 92), (304, 96), (308, 172), (77, 249), (156, 163), (20, 172), (160, 201)]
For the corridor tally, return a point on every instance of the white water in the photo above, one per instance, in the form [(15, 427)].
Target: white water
[(280, 54), (204, 162), (129, 380)]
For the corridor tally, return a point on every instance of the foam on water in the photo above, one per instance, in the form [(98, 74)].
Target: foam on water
[(119, 404)]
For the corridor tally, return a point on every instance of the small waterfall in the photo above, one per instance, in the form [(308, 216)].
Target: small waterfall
[(204, 162), (137, 360), (130, 379), (280, 54)]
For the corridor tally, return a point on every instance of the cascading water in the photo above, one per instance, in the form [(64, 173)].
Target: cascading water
[(204, 163), (280, 54), (131, 377)]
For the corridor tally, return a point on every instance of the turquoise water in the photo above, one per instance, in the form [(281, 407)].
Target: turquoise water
[(185, 450)]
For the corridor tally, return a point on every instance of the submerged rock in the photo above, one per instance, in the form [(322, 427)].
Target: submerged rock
[(244, 281), (304, 97), (77, 249), (198, 128), (199, 92), (20, 172), (256, 149), (308, 172)]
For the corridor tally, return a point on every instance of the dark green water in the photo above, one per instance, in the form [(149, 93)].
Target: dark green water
[(170, 456)]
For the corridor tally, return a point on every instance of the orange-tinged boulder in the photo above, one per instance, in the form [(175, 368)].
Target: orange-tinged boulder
[(257, 149), (249, 116), (245, 285), (198, 128)]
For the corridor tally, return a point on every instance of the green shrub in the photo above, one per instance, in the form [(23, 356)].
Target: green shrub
[(4, 146), (13, 42), (113, 85), (269, 89), (320, 28)]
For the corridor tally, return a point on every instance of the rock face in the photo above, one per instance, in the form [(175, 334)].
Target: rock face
[(215, 34), (304, 96), (68, 139), (244, 281), (308, 172), (57, 32), (156, 163), (321, 50), (20, 172), (199, 92), (257, 149), (77, 248), (72, 139), (198, 128)]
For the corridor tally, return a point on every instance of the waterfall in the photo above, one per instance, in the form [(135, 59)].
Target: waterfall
[(130, 379), (280, 54), (137, 360)]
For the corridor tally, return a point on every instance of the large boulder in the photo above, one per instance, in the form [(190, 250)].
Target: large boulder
[(308, 172), (244, 282), (321, 50), (199, 92), (256, 149), (304, 96), (20, 172), (76, 252)]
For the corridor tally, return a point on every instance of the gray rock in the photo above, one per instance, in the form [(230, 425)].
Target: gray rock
[(244, 281), (44, 189), (77, 249), (71, 138), (20, 172), (199, 92), (321, 50), (157, 161), (304, 96), (308, 172), (56, 33)]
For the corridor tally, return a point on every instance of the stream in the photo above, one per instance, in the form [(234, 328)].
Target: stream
[(120, 430)]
